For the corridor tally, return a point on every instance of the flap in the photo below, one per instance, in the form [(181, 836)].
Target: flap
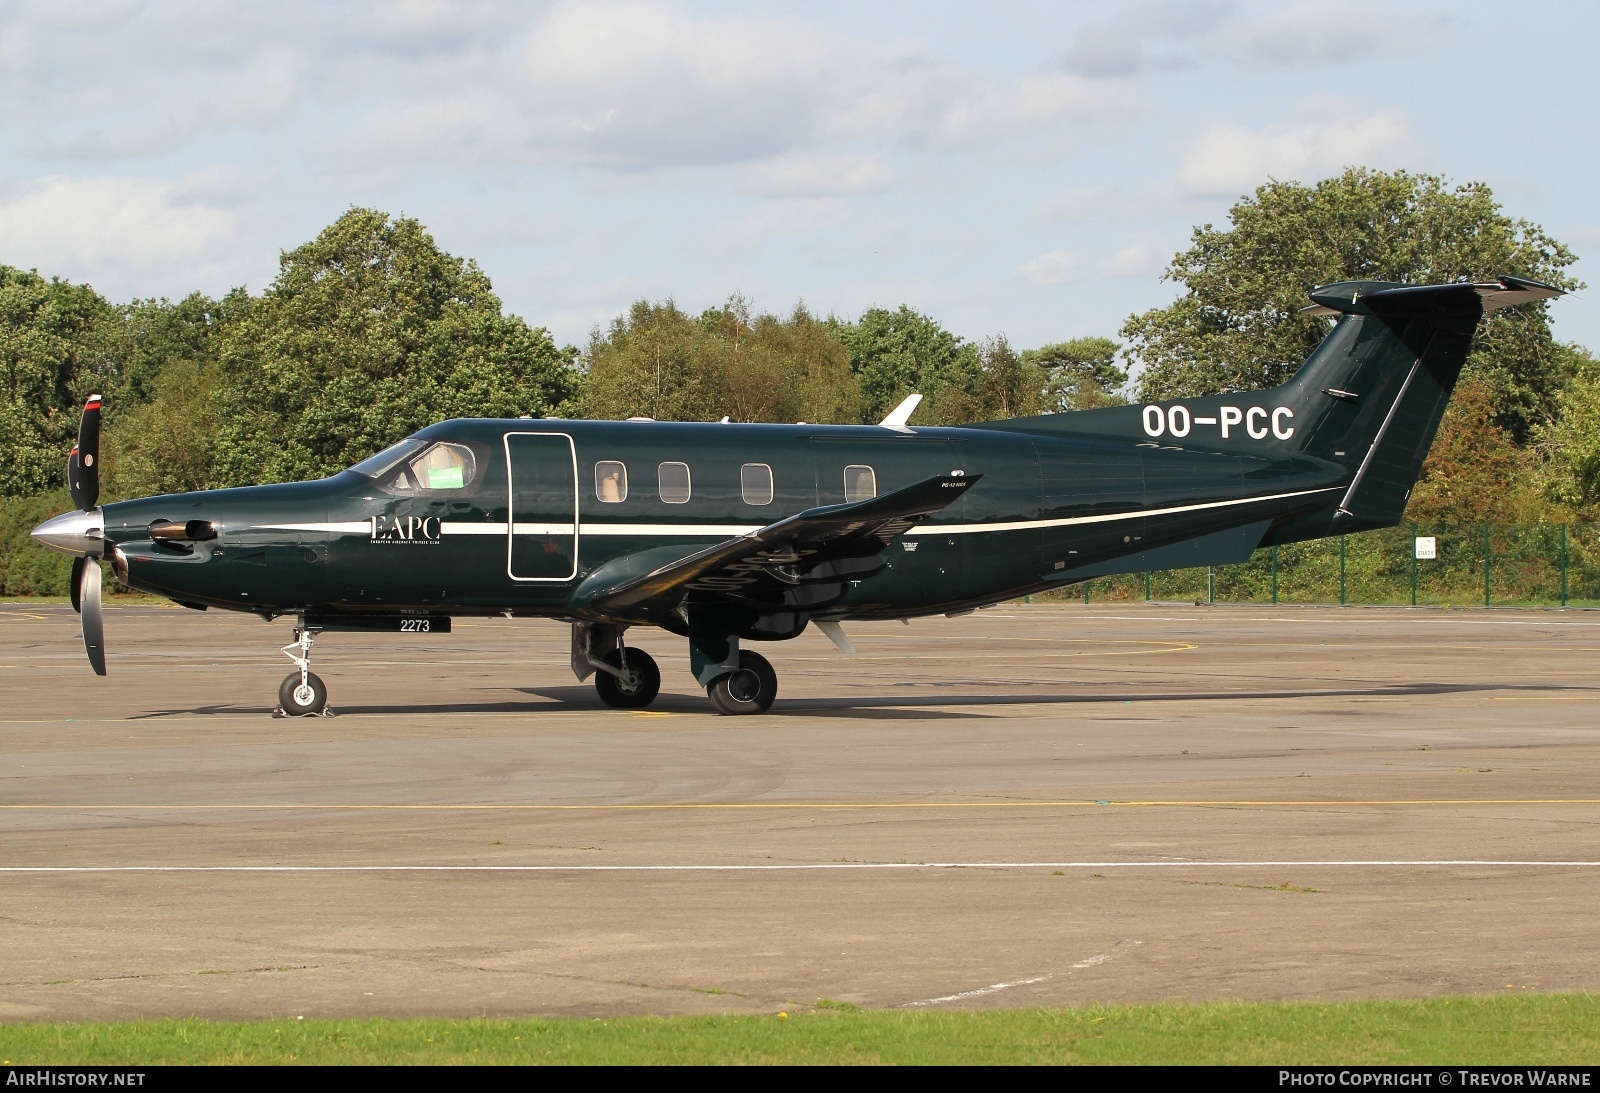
[(792, 553)]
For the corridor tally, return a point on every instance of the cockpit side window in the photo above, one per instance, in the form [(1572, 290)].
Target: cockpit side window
[(417, 466)]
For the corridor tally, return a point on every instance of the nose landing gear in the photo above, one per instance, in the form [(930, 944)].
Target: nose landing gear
[(302, 692)]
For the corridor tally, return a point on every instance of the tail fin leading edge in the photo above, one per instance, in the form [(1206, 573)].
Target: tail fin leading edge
[(1372, 395)]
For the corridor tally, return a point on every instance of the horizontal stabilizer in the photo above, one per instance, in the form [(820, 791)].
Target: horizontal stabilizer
[(1356, 297)]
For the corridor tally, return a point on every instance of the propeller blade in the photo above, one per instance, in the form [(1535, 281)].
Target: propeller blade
[(77, 577), (94, 634), (83, 465)]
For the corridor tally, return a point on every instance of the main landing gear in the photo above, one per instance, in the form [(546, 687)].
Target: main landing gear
[(736, 681), (627, 678), (749, 689), (302, 692)]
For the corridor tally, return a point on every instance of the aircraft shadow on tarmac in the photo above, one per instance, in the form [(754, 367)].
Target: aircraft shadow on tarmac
[(898, 707)]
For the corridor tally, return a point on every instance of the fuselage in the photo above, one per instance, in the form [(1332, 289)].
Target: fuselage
[(519, 514)]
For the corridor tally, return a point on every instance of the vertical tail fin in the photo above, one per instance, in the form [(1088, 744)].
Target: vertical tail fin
[(1364, 406), (1372, 394)]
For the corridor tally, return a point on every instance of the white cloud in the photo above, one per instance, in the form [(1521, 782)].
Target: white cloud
[(1144, 257), (986, 112), (1229, 159), (1056, 267), (1335, 32), (114, 229), (261, 92), (808, 175), (641, 84), (1116, 48)]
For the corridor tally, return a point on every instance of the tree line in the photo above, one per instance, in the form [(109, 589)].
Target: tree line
[(371, 331)]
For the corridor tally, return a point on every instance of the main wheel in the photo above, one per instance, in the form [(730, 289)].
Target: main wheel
[(302, 700), (641, 686), (751, 689)]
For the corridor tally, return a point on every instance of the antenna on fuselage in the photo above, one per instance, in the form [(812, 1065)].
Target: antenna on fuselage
[(901, 414)]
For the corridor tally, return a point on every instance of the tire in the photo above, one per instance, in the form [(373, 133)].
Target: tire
[(296, 702), (633, 695), (749, 690)]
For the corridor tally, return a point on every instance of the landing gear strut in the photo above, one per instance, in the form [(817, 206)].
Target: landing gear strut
[(749, 689), (627, 678), (302, 692)]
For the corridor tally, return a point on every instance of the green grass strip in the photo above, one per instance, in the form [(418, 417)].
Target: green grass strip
[(1514, 1029)]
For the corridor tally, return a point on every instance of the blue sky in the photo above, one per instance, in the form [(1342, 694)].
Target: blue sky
[(1018, 168)]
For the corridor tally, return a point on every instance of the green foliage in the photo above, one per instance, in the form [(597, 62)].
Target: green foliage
[(167, 444), (1531, 1029), (157, 333), (1081, 374), (657, 362), (369, 333), (1237, 327), (57, 345), (162, 436), (896, 353), (1474, 472), (26, 568), (1006, 385), (1570, 443), (654, 362)]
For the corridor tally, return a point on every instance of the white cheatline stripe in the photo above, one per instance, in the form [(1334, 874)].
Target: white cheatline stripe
[(458, 527), (1415, 863), (723, 531), (1105, 518), (347, 527)]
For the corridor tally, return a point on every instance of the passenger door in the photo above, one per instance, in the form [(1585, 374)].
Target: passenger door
[(542, 522)]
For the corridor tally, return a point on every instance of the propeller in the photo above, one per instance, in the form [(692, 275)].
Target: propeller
[(83, 465), (94, 633), (83, 479)]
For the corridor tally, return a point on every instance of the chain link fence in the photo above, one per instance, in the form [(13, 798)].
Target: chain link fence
[(1488, 565)]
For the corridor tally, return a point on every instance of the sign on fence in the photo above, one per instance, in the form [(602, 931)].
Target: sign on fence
[(1427, 548)]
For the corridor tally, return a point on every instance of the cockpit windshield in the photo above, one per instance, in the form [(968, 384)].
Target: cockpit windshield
[(414, 465), (377, 466)]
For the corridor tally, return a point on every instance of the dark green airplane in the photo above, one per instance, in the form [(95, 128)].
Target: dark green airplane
[(728, 534)]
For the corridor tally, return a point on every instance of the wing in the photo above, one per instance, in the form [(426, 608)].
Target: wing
[(800, 564)]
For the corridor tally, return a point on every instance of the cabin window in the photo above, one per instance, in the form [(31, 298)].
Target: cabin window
[(611, 481), (755, 484), (673, 481), (860, 483), (415, 465)]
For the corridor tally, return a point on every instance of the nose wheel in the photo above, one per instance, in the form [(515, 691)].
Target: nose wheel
[(302, 697), (302, 692), (750, 689)]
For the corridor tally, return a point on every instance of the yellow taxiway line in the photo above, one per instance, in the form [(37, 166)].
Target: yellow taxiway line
[(692, 806)]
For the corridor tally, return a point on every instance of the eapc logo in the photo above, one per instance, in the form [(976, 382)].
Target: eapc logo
[(405, 529), (1258, 421)]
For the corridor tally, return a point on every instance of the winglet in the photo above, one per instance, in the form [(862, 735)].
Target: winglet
[(901, 414)]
